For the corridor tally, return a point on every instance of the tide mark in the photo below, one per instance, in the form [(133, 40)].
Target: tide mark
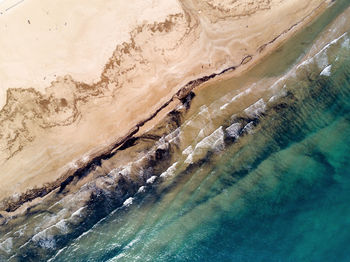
[(12, 6)]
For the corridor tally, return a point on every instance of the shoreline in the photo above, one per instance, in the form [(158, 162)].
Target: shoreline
[(8, 5), (208, 130), (179, 95)]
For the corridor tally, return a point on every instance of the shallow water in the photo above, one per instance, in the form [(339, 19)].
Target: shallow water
[(259, 171)]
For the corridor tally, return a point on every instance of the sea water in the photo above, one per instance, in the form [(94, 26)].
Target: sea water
[(260, 172)]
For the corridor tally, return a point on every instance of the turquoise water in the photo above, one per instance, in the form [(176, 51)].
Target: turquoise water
[(281, 193), (267, 182)]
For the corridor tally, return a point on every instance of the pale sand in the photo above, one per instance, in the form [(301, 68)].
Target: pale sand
[(67, 37), (161, 46)]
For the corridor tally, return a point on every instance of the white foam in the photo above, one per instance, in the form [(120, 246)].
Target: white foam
[(151, 180), (73, 165), (141, 189), (278, 96), (326, 71), (256, 109), (85, 158), (245, 92), (162, 144), (48, 243), (47, 221), (128, 202), (189, 159), (248, 128), (126, 170), (188, 150), (203, 110), (62, 226), (132, 243), (44, 239), (201, 134), (273, 99), (121, 255), (322, 60), (201, 121), (223, 107), (170, 171), (21, 230), (233, 130), (7, 245), (214, 141), (321, 56), (59, 252), (78, 212), (173, 136), (279, 81)]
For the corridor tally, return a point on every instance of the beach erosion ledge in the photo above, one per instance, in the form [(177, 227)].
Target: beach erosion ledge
[(76, 82)]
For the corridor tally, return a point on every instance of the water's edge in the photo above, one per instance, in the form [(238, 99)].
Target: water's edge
[(171, 150)]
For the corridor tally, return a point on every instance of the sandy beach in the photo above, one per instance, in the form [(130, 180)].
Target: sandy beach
[(78, 77)]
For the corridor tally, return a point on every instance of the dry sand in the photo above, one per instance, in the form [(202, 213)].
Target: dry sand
[(77, 76)]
